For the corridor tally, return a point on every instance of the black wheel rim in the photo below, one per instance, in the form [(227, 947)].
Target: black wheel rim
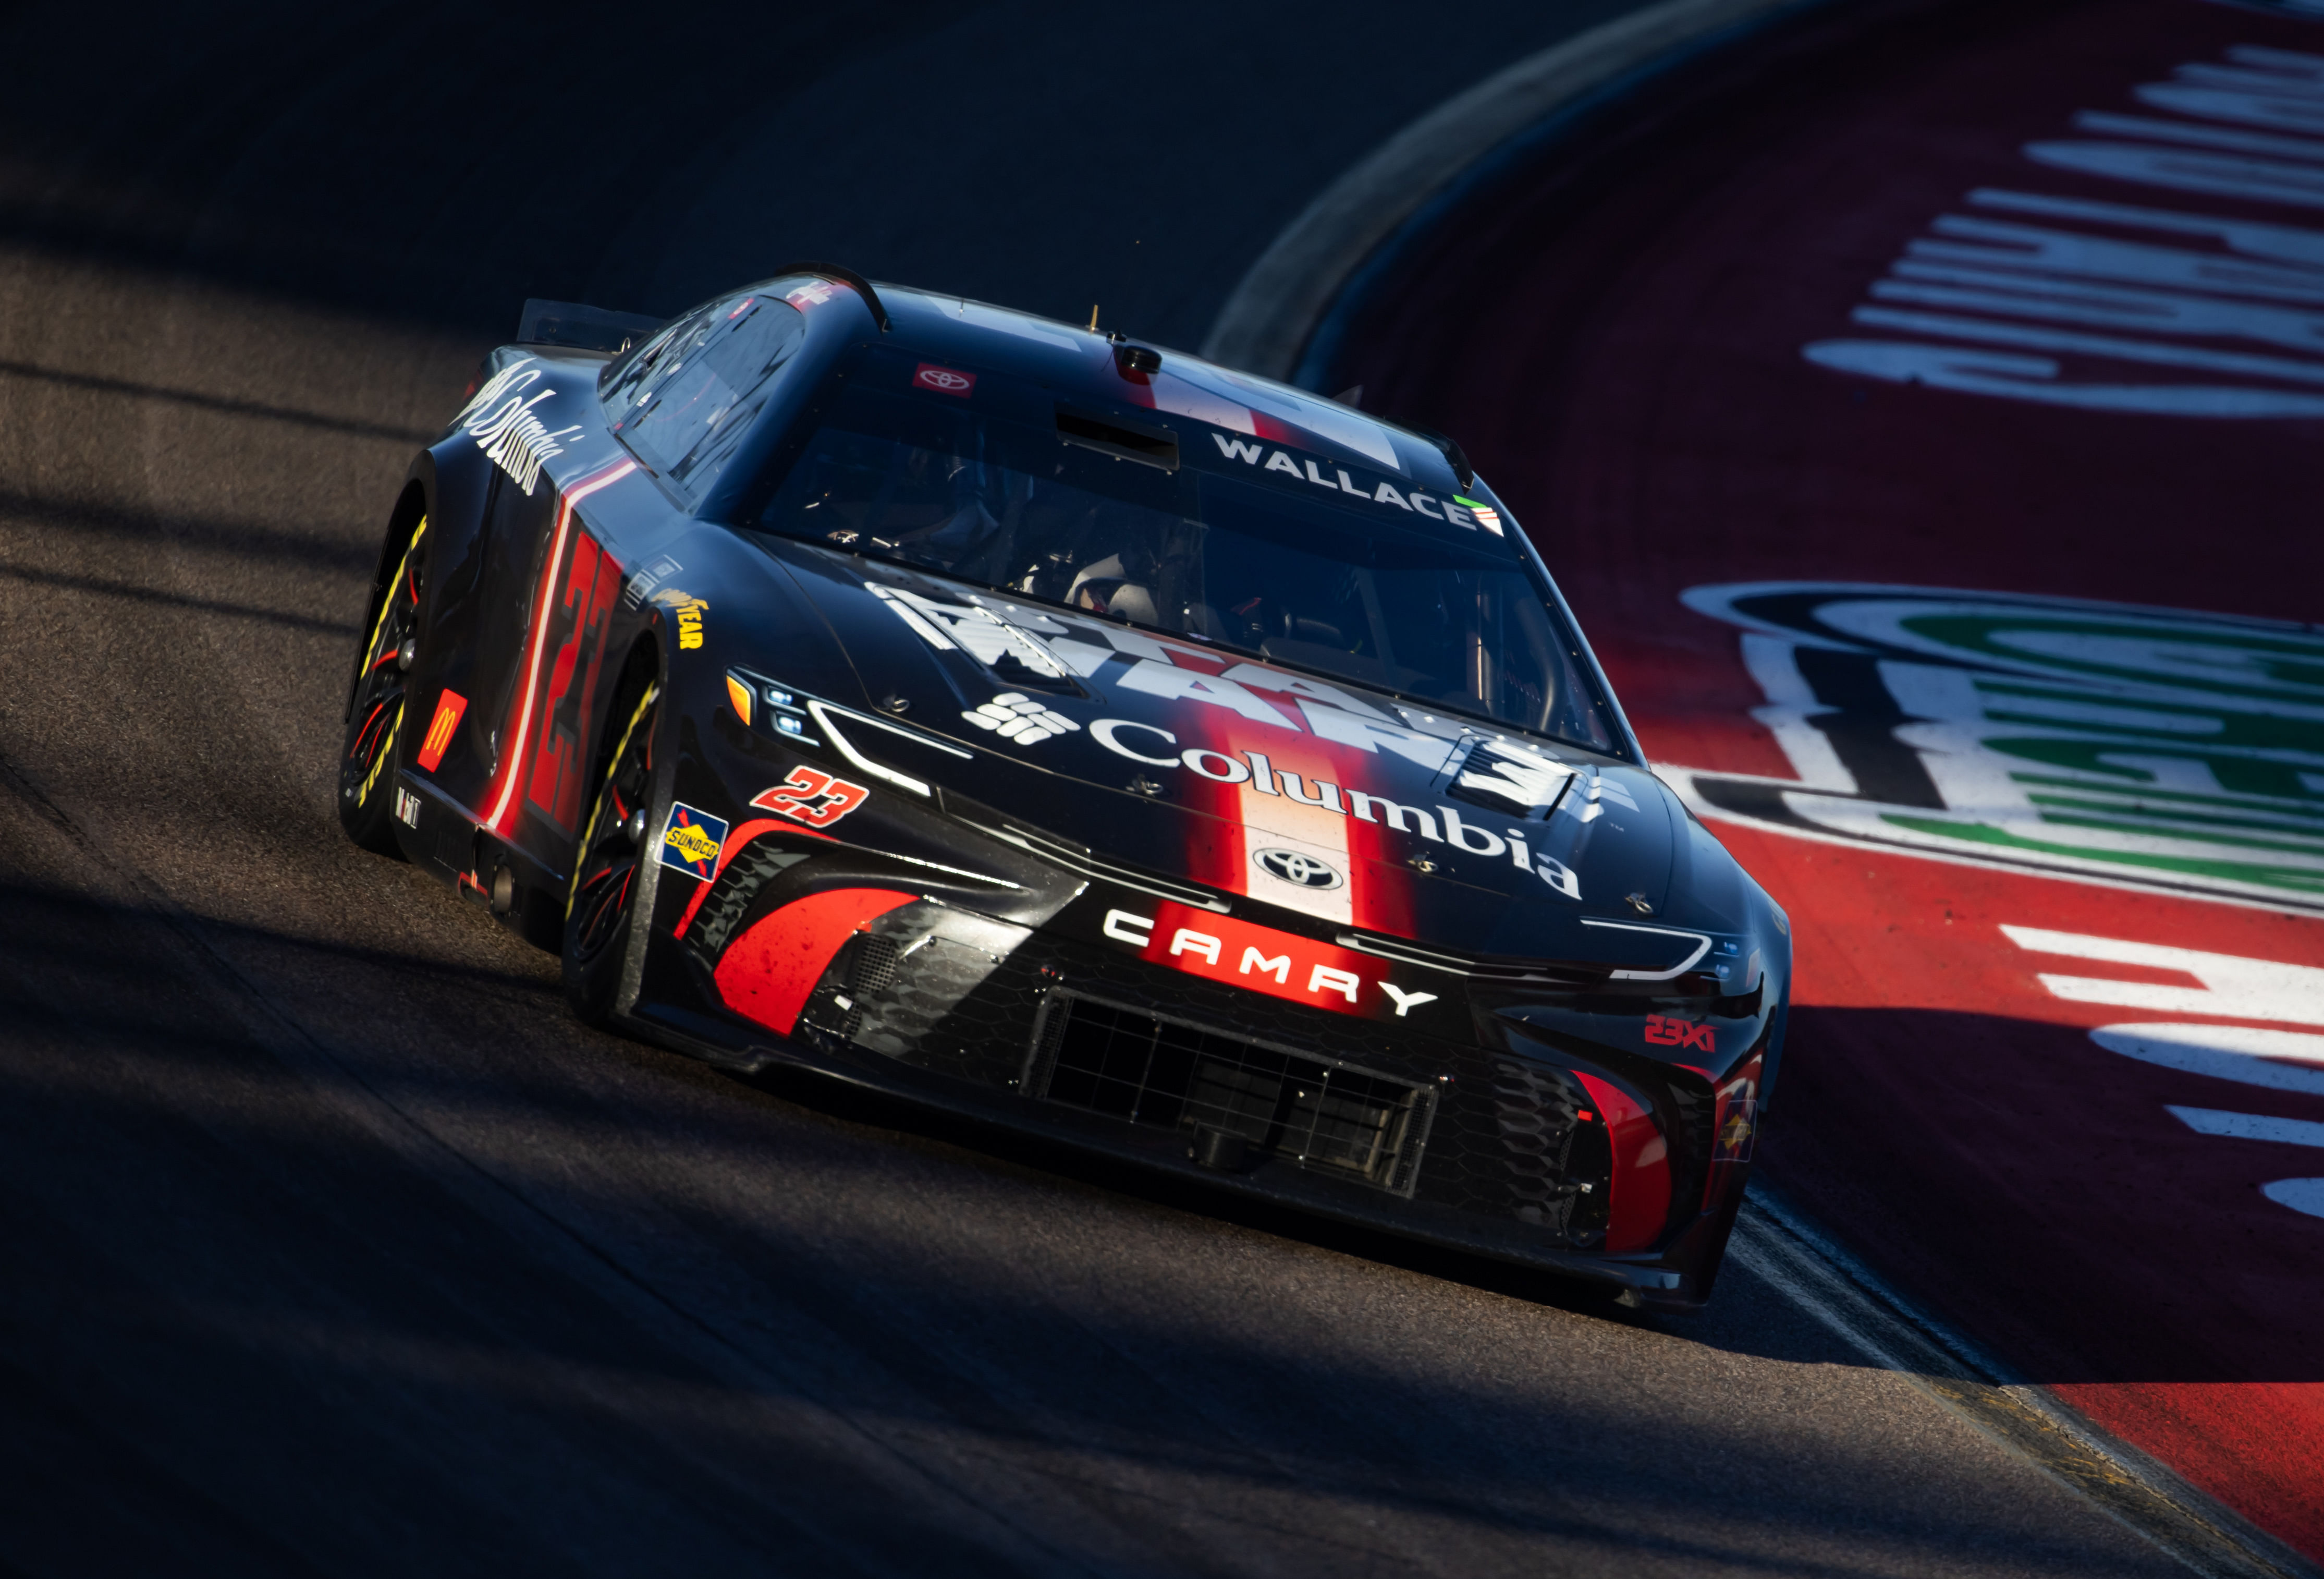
[(605, 878), (375, 715)]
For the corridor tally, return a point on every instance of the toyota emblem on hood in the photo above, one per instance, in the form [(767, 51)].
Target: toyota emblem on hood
[(1295, 866)]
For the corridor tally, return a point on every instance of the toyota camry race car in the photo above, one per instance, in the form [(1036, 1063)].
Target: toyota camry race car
[(1080, 736)]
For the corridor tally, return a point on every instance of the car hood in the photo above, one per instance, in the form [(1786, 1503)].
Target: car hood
[(1315, 795)]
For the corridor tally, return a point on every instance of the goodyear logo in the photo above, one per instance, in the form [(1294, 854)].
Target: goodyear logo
[(691, 840), (687, 611)]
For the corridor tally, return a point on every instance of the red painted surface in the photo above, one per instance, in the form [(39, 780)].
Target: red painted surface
[(943, 379), (739, 835), (449, 706), (766, 974), (1617, 339), (526, 708), (1639, 1187), (815, 799), (567, 705), (1281, 965)]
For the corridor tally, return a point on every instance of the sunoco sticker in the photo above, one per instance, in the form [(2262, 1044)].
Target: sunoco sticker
[(691, 841)]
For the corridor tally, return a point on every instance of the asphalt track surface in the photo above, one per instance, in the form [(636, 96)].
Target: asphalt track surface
[(333, 1244), (1783, 323)]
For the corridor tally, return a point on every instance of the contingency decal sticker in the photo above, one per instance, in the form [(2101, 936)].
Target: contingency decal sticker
[(686, 610), (450, 706), (647, 580), (691, 841)]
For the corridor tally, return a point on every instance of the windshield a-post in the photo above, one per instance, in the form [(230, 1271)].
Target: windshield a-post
[(1268, 547)]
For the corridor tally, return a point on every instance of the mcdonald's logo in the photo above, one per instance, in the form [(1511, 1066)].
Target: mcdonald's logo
[(450, 706)]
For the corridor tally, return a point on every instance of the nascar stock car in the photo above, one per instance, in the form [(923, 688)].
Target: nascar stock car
[(1076, 735)]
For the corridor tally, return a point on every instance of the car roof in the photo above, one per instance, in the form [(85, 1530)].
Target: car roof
[(1092, 363)]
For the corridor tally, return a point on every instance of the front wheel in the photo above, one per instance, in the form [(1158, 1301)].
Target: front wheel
[(610, 863), (375, 708)]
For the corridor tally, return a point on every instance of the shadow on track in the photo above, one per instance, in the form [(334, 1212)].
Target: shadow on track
[(262, 1310)]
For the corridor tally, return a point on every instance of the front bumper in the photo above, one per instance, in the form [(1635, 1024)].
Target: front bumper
[(1494, 1143)]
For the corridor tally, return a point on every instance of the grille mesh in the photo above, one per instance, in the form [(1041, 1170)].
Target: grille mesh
[(1319, 1115), (874, 966)]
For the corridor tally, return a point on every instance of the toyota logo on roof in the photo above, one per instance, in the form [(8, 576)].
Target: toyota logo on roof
[(1296, 867), (943, 379)]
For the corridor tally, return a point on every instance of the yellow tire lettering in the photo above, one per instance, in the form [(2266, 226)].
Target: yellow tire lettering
[(589, 829)]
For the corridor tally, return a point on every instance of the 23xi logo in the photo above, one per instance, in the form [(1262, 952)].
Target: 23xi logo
[(1668, 1031), (816, 799)]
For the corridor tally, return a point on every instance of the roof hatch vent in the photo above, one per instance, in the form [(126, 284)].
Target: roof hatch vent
[(1112, 435)]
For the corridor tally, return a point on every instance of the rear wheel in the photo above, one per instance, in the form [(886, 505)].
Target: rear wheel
[(610, 862), (375, 709)]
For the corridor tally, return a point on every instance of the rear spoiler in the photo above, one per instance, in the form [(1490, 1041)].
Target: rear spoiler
[(581, 326)]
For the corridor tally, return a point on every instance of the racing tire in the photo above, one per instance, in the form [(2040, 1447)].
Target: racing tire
[(376, 702), (610, 866)]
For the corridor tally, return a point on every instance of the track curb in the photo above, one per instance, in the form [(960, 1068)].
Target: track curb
[(1275, 310), (1780, 1244), (1267, 326)]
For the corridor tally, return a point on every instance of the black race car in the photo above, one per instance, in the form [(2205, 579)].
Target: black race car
[(1076, 734)]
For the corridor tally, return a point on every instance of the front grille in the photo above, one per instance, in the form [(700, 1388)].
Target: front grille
[(873, 967), (1293, 1107), (867, 966)]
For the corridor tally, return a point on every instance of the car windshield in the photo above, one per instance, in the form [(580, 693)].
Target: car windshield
[(1010, 489)]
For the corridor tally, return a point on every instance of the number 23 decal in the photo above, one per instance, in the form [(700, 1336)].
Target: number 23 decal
[(816, 799)]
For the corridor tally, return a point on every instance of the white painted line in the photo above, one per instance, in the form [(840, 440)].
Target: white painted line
[(2208, 1121)]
